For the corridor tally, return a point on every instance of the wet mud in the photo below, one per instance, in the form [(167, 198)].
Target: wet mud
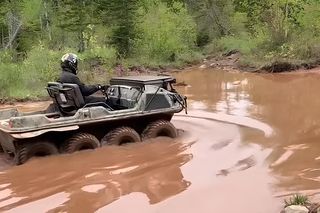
[(248, 141)]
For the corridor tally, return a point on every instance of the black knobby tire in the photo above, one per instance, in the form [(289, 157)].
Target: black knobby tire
[(120, 136), (159, 128), (79, 142), (29, 150)]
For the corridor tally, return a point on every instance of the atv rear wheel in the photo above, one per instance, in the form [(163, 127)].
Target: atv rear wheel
[(159, 128), (120, 136), (29, 150), (79, 142)]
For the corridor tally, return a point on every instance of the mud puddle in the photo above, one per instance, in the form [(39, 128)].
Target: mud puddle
[(248, 141)]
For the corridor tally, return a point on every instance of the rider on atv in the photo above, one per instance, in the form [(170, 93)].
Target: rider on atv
[(69, 65)]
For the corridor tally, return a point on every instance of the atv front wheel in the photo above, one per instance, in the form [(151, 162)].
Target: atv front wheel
[(160, 128), (78, 142), (29, 150), (120, 136)]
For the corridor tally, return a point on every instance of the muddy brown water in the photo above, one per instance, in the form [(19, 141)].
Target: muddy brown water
[(248, 142)]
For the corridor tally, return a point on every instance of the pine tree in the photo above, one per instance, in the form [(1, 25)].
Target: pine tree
[(121, 15), (75, 16)]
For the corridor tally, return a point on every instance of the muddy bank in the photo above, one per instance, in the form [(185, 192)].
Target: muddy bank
[(7, 101), (228, 61), (28, 106), (231, 61)]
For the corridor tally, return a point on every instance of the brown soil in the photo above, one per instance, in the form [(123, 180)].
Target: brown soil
[(230, 61), (12, 101)]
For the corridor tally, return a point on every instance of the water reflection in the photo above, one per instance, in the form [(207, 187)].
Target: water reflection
[(217, 91), (87, 181), (234, 99), (289, 103)]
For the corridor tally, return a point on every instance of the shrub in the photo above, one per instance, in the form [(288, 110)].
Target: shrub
[(166, 35), (104, 55)]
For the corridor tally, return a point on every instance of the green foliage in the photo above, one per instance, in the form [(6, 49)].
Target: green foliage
[(280, 17), (123, 16), (243, 42), (297, 200), (75, 16), (6, 57), (10, 77), (28, 79), (103, 55), (309, 21), (42, 65), (147, 32), (212, 16), (165, 35), (31, 10)]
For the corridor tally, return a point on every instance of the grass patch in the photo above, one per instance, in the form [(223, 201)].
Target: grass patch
[(27, 79), (297, 199)]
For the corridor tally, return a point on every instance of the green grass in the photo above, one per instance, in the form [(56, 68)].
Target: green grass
[(260, 51), (297, 199), (27, 79)]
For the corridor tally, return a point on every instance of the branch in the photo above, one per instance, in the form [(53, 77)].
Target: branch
[(13, 37)]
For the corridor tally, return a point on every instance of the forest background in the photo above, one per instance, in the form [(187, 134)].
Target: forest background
[(148, 34)]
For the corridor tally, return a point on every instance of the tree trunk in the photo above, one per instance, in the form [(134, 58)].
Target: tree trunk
[(81, 42), (2, 37), (285, 24), (14, 25), (47, 20)]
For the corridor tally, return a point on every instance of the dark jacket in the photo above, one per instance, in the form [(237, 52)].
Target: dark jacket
[(70, 78)]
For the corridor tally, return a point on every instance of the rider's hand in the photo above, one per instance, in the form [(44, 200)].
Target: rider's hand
[(105, 87), (102, 87), (99, 87)]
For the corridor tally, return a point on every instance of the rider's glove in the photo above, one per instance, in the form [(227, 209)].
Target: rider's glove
[(105, 87), (102, 87)]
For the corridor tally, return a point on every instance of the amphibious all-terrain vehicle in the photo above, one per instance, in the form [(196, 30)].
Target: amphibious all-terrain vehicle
[(136, 108)]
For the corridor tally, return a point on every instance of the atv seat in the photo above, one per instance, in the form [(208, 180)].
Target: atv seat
[(68, 98)]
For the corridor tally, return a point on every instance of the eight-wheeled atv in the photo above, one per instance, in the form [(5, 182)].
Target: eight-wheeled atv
[(136, 108)]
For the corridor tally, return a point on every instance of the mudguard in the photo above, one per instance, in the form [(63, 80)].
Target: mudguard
[(41, 132)]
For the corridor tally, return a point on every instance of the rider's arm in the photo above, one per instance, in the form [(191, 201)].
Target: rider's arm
[(86, 90)]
